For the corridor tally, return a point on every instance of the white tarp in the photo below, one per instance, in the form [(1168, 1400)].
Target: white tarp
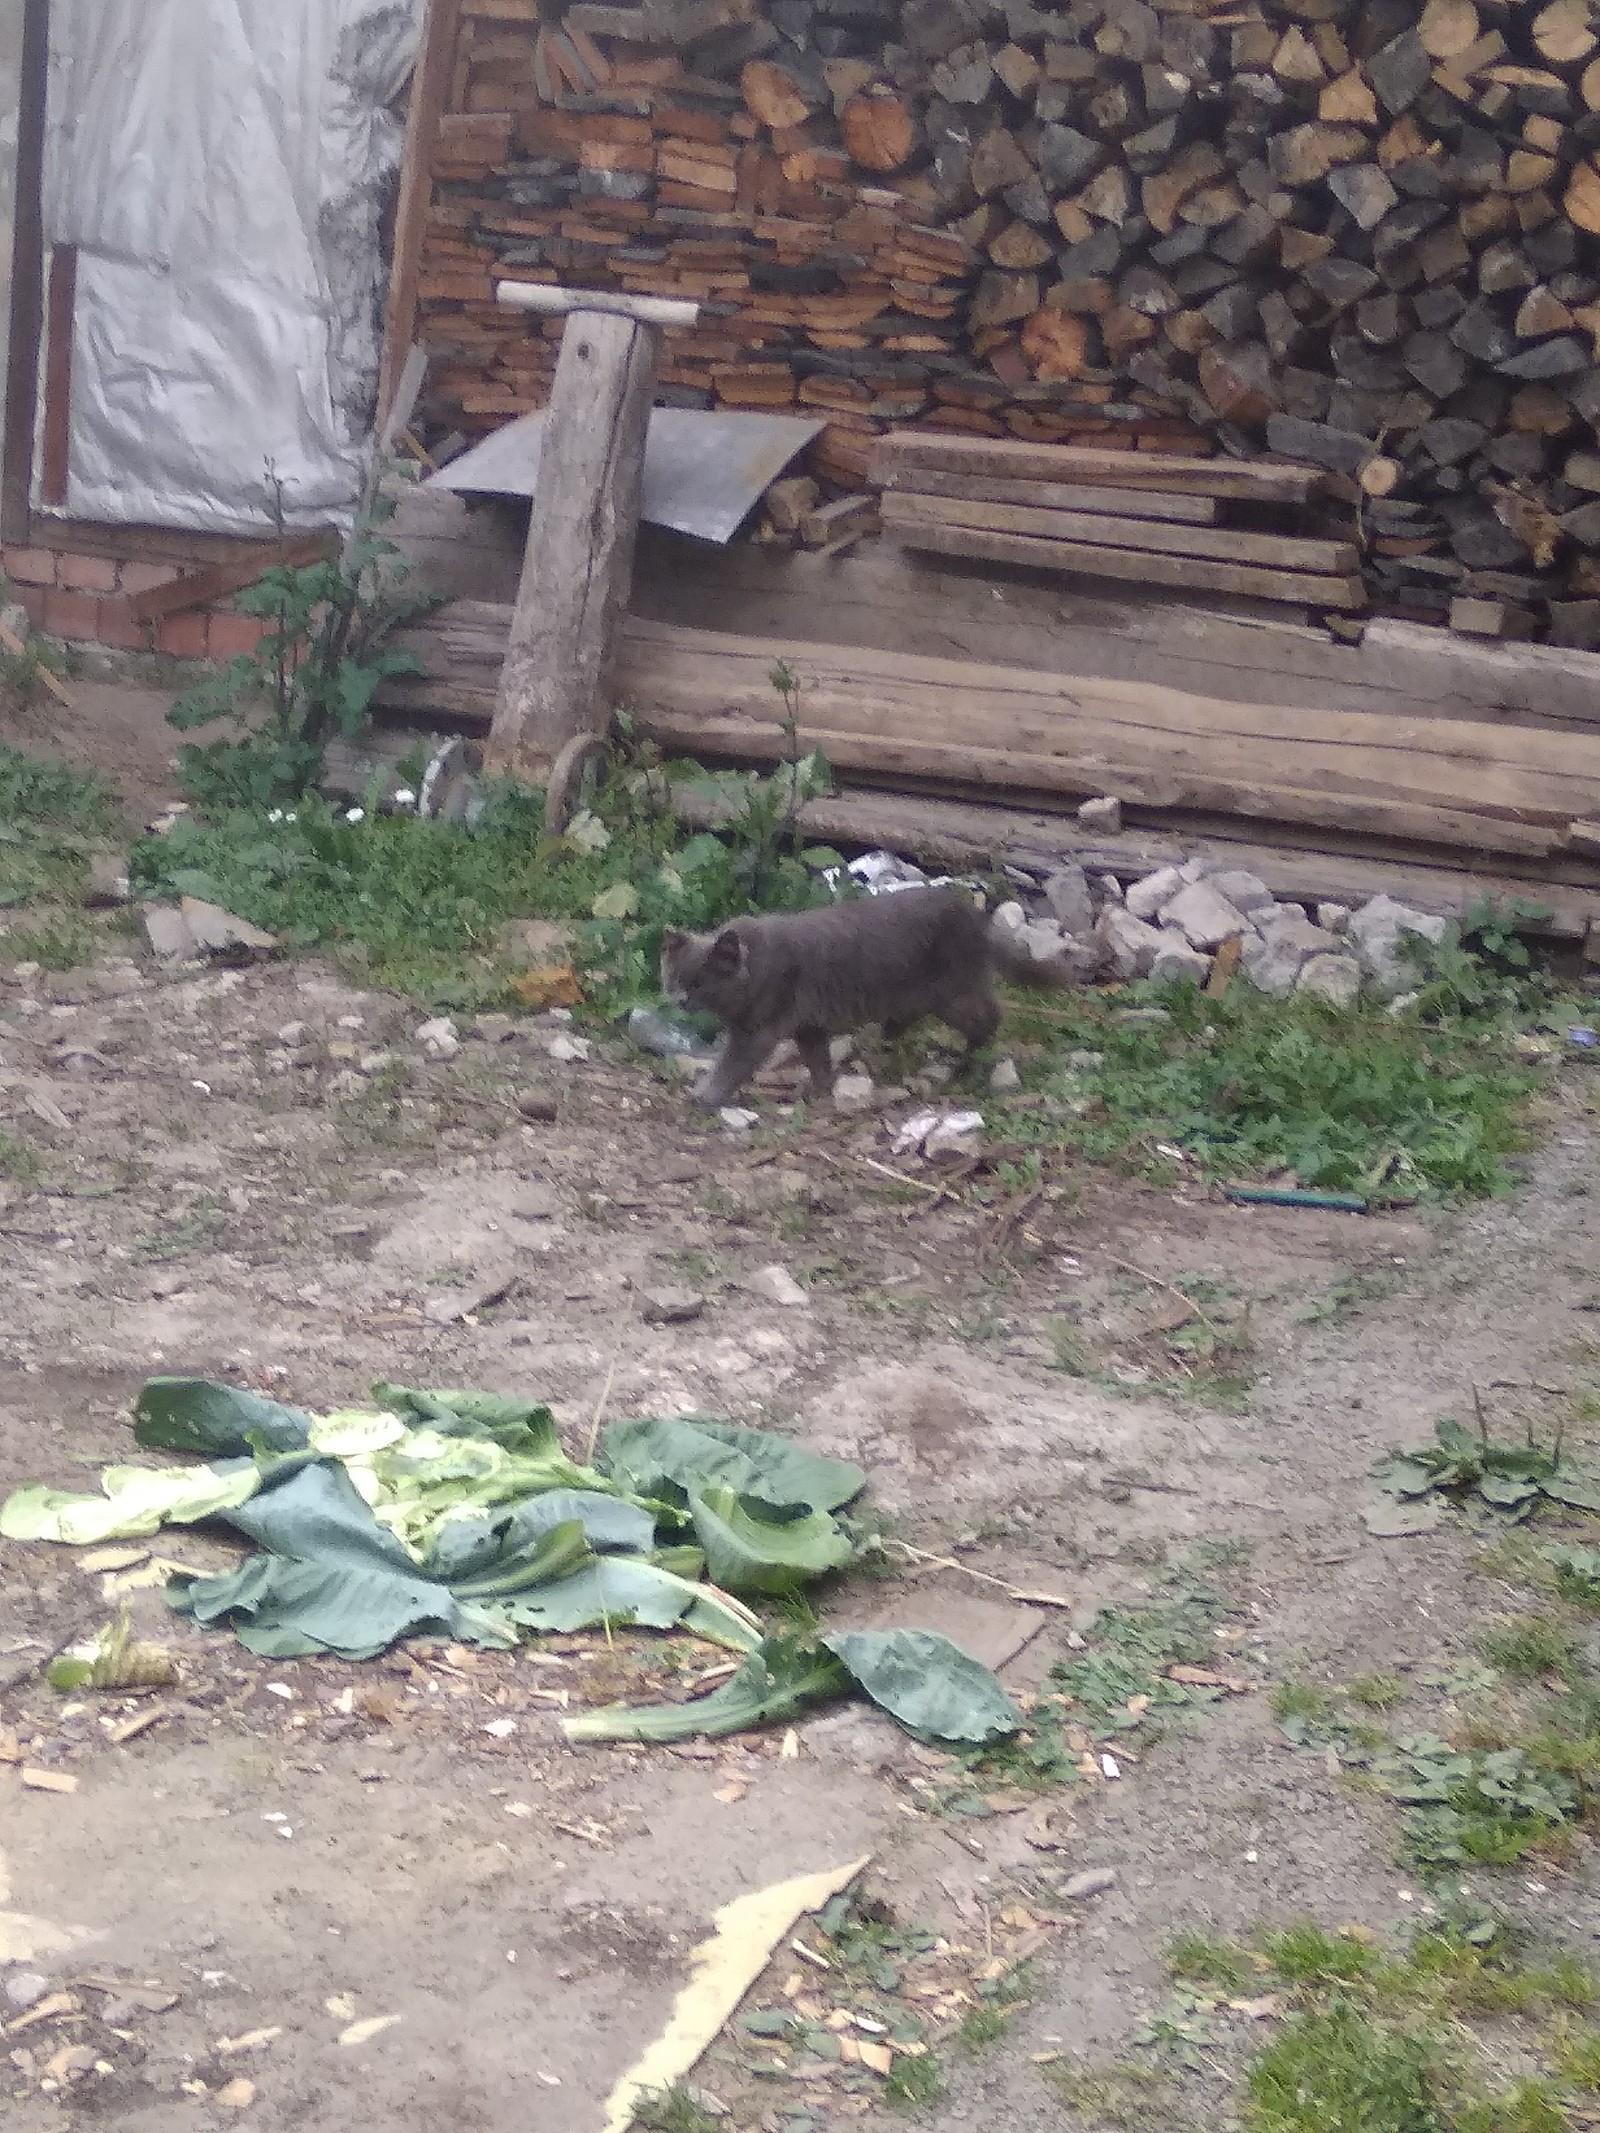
[(223, 167)]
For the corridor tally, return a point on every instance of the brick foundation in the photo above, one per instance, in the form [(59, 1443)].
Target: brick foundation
[(88, 599)]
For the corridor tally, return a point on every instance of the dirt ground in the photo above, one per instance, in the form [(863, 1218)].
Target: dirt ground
[(233, 1182)]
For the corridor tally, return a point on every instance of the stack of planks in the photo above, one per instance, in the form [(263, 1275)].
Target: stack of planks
[(1342, 779), (1149, 518)]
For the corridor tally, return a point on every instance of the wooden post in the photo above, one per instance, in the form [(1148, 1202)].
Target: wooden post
[(578, 569)]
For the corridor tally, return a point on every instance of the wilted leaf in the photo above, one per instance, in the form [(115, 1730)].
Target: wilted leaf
[(674, 1456), (551, 985), (930, 1684), (621, 900), (781, 1678), (747, 1553)]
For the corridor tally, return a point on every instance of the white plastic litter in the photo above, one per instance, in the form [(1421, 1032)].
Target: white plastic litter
[(930, 1133)]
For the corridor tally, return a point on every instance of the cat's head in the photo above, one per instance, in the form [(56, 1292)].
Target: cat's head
[(708, 971)]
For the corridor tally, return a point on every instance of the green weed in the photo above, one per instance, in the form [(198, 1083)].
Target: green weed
[(1205, 1960), (52, 814), (914, 2084), (1128, 2096), (1528, 1647), (1335, 2070), (20, 1159), (1346, 1297), (672, 2110)]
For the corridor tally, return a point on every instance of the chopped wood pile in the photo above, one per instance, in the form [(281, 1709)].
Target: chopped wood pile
[(1139, 516), (1360, 233)]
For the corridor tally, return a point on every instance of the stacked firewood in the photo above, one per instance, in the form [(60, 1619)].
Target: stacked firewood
[(1356, 233)]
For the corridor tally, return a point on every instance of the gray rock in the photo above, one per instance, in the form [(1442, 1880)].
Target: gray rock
[(106, 879), (1377, 930), (1130, 945), (776, 1285), (25, 1989), (1003, 1076), (1334, 918), (1104, 815), (1041, 940), (167, 933), (494, 1029), (1204, 916), (669, 1307), (1093, 1881), (1067, 894), (1336, 978), (853, 1092), (1176, 963), (1246, 892), (1010, 915), (1274, 959), (1145, 898), (1110, 889), (439, 1038)]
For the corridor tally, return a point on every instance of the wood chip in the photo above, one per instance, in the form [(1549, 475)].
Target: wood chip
[(38, 1780)]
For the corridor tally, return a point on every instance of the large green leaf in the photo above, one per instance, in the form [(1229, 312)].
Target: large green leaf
[(617, 1590), (781, 1678), (748, 1553), (931, 1685), (478, 1543), (526, 1427), (134, 1501), (217, 1421), (676, 1456)]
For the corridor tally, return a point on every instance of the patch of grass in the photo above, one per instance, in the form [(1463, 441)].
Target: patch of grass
[(1578, 2059), (1127, 2096), (673, 2110), (1528, 1647), (1205, 1960), (56, 941), (914, 2084), (52, 814), (20, 1159), (980, 2027), (1378, 1692), (1346, 1296), (1335, 2070), (1304, 1954), (1068, 1349), (1348, 1100)]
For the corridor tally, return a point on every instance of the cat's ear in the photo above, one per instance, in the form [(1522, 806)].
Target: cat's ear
[(727, 953)]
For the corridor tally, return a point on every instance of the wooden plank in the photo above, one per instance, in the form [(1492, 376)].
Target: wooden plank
[(1223, 543), (27, 278), (1307, 591), (1055, 495), (61, 305), (430, 90), (557, 681), (1257, 481), (179, 595)]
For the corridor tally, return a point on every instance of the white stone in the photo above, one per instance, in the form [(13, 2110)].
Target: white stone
[(1067, 894), (1177, 963), (439, 1038), (1011, 916), (1130, 945), (778, 1286), (1041, 940), (292, 1033), (1104, 814), (566, 1049), (1003, 1075), (1246, 892), (1145, 898), (853, 1092), (1334, 918), (1110, 888), (1274, 958), (1377, 929), (1203, 916), (1335, 978), (737, 1119), (1198, 868)]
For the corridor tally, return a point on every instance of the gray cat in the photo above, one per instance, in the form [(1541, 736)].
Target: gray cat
[(810, 975)]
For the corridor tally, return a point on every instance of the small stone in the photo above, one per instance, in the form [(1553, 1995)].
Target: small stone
[(1094, 1881), (106, 879), (374, 1062), (1204, 916), (25, 1989), (1041, 940), (438, 1038), (1003, 1076), (292, 1033), (1334, 918), (669, 1307), (167, 933), (1274, 959), (1110, 889), (1145, 898), (534, 1104), (565, 1050), (1130, 945), (776, 1285), (1011, 916), (1176, 963), (1067, 894), (1376, 930), (493, 1029), (1246, 892), (1335, 978), (853, 1092), (1103, 815), (737, 1118)]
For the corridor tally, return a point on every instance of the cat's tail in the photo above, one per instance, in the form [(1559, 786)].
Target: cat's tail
[(1014, 960)]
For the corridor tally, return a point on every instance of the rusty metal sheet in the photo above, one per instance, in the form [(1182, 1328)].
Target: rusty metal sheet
[(704, 470)]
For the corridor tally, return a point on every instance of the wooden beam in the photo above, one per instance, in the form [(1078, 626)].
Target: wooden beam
[(1095, 562), (430, 91), (548, 302), (577, 571), (61, 306), (1256, 481), (1052, 495), (1278, 551), (27, 278), (204, 586)]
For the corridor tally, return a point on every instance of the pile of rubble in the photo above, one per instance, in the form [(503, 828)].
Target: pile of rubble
[(1174, 923)]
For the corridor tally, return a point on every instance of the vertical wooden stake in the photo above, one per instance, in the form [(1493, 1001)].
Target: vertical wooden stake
[(578, 569)]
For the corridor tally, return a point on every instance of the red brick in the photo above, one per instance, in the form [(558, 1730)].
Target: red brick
[(30, 566), (145, 577), (86, 573), (116, 625), (71, 614), (184, 636), (229, 635)]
